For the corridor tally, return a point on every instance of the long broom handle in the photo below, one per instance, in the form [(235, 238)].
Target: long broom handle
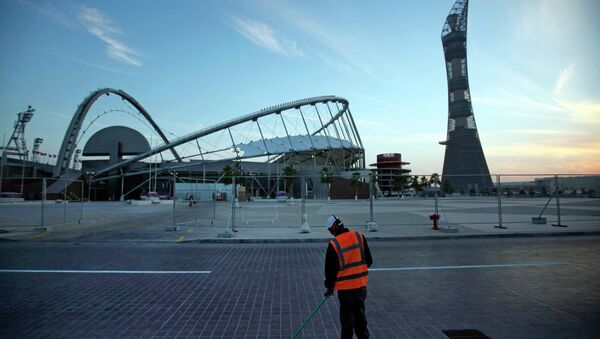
[(309, 317), (543, 209)]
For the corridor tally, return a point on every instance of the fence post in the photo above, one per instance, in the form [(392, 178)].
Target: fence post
[(304, 227), (196, 199), (174, 201), (372, 225), (173, 227), (557, 193), (226, 233), (65, 203), (81, 203), (43, 226), (122, 198), (214, 200), (233, 202), (499, 193), (371, 197)]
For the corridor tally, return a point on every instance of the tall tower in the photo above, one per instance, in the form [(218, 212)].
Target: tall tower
[(465, 167)]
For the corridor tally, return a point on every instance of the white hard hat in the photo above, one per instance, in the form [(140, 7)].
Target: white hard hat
[(331, 221)]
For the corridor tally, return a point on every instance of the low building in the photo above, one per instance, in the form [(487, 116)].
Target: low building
[(388, 166)]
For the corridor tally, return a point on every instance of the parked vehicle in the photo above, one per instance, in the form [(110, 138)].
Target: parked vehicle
[(152, 196)]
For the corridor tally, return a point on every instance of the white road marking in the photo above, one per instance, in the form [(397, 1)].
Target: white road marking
[(104, 272), (468, 266)]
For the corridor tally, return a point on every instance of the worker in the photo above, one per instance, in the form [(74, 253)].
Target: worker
[(346, 271)]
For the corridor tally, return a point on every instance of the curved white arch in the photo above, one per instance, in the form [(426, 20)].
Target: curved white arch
[(346, 135), (68, 145)]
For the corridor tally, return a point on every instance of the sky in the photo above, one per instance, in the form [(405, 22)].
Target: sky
[(533, 70)]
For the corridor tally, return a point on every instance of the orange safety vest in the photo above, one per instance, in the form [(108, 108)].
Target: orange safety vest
[(353, 272)]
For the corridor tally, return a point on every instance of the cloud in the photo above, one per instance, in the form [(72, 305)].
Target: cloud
[(552, 21), (92, 64), (56, 114), (347, 55), (343, 47), (339, 66), (583, 110), (531, 131), (99, 25), (565, 76), (49, 11), (263, 36)]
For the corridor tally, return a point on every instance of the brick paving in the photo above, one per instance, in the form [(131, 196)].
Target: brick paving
[(267, 290)]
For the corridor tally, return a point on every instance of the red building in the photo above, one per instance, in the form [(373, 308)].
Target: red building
[(389, 165)]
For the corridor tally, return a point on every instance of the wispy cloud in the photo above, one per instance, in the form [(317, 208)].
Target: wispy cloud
[(262, 35), (92, 64), (49, 11), (532, 131), (583, 110), (55, 113), (339, 66), (101, 26), (341, 45), (565, 76), (345, 52)]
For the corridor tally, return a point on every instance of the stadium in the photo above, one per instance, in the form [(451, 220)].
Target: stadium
[(133, 156)]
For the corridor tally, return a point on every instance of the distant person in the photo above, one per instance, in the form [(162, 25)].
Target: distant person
[(191, 200), (346, 271)]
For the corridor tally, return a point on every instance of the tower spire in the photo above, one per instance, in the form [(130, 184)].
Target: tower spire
[(465, 168)]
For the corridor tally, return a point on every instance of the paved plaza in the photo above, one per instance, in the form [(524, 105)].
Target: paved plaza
[(272, 221), (542, 287), (110, 269)]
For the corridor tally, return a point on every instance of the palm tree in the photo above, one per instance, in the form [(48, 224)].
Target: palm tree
[(414, 183), (447, 187), (424, 182), (434, 181), (400, 182), (227, 174)]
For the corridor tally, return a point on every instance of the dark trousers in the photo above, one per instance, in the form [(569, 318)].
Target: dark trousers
[(352, 313)]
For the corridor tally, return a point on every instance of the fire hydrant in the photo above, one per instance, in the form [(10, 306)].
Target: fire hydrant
[(435, 217)]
